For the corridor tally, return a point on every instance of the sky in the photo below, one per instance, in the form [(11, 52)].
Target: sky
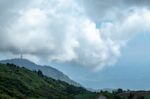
[(98, 43)]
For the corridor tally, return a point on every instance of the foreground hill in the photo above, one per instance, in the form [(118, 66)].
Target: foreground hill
[(21, 83), (47, 70)]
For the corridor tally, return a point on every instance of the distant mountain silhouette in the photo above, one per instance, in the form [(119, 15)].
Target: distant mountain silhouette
[(47, 70)]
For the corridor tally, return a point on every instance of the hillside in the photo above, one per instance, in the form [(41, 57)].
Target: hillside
[(47, 70), (21, 83)]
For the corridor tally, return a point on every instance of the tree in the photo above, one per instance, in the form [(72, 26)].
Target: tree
[(40, 73), (119, 91), (131, 96)]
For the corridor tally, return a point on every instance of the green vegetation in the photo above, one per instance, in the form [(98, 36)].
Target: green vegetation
[(21, 83), (147, 97), (86, 96)]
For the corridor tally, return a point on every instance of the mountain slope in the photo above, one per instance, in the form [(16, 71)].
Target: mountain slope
[(47, 70), (21, 83)]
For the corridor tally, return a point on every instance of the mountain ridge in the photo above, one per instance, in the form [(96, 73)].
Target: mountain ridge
[(21, 83), (47, 70)]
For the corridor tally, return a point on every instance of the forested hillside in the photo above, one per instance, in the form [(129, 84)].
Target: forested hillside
[(21, 83)]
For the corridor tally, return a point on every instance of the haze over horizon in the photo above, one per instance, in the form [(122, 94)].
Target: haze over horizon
[(98, 43)]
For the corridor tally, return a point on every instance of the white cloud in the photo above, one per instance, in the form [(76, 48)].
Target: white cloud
[(68, 31)]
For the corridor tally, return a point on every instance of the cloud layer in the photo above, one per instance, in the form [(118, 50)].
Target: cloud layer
[(85, 32)]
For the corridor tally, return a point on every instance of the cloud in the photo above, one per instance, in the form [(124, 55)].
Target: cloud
[(88, 33), (139, 3)]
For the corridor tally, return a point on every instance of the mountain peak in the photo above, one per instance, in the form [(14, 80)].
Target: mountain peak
[(20, 62)]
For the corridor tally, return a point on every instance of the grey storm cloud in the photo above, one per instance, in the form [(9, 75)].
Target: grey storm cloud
[(86, 32)]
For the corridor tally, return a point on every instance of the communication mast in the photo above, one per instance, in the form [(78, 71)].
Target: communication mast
[(21, 54)]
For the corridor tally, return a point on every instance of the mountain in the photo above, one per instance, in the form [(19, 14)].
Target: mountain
[(21, 83), (47, 70)]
